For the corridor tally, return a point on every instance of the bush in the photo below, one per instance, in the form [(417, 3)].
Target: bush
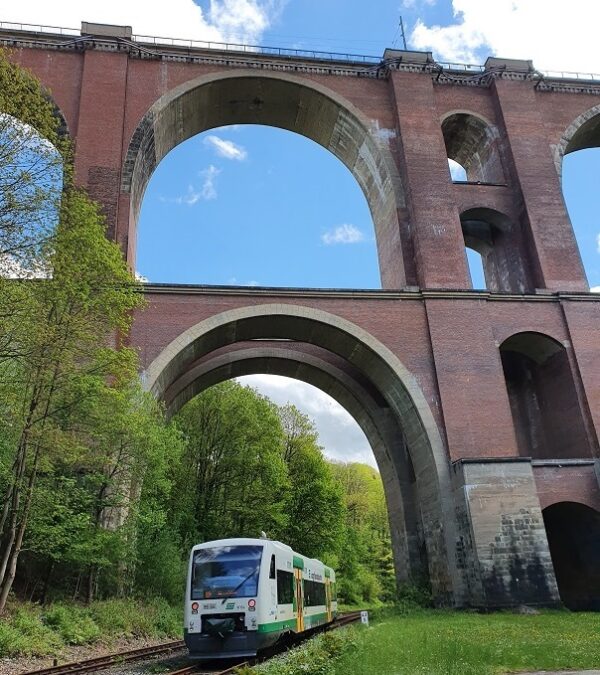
[(131, 618), (315, 657), (24, 634), (74, 624)]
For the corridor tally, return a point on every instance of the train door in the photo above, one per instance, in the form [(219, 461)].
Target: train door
[(328, 598), (299, 600)]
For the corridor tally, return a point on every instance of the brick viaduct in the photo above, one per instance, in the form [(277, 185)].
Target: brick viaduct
[(483, 408)]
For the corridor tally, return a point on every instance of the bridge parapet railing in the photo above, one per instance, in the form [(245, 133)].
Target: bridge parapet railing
[(280, 52)]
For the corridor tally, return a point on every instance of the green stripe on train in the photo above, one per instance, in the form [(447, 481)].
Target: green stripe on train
[(309, 622), (276, 625), (315, 620)]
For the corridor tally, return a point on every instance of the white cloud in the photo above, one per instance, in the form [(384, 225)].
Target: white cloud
[(141, 278), (554, 36), (224, 21), (12, 268), (595, 289), (598, 242), (339, 434), (343, 234), (226, 149)]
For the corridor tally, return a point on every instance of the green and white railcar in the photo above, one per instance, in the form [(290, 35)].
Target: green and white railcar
[(243, 595)]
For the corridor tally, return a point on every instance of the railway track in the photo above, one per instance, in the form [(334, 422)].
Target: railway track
[(110, 660), (197, 669), (101, 662)]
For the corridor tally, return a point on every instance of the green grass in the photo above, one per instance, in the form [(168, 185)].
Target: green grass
[(453, 643), (31, 630)]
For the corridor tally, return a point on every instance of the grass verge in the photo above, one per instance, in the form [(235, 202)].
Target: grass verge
[(456, 643), (31, 630)]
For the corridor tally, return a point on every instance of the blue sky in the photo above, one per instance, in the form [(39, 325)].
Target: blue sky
[(255, 205)]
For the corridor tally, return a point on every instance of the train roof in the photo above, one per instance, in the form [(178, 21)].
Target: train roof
[(249, 541)]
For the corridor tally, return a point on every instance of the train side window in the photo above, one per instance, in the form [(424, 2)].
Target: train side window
[(285, 588), (272, 569), (314, 593)]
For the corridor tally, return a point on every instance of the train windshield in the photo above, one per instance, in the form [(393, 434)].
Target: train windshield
[(226, 572)]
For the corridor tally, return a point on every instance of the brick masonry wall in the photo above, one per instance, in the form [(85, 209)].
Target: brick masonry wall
[(448, 343)]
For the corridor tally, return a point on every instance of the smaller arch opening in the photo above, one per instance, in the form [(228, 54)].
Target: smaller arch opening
[(573, 532), (472, 144), (546, 412), (500, 248)]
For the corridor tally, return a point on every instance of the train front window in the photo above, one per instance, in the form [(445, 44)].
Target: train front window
[(226, 572)]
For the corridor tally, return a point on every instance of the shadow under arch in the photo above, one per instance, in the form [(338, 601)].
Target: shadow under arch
[(472, 141), (376, 365), (573, 531), (289, 102), (547, 414)]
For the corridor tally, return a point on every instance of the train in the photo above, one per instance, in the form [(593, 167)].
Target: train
[(244, 595)]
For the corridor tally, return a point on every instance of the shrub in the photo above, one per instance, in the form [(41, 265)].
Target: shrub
[(74, 624), (24, 634)]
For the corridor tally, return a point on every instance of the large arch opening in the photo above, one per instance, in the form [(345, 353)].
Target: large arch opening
[(573, 532), (255, 205), (577, 158), (366, 379), (288, 102), (543, 398)]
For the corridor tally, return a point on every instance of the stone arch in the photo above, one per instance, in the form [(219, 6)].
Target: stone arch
[(543, 397), (573, 531), (502, 247), (582, 133), (380, 369), (472, 142), (289, 102)]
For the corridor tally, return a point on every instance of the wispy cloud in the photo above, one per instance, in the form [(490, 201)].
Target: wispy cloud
[(411, 4), (343, 234), (225, 148), (234, 282), (205, 192), (598, 242)]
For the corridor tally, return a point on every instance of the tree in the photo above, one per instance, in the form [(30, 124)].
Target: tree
[(314, 503), (232, 480), (71, 356), (366, 568)]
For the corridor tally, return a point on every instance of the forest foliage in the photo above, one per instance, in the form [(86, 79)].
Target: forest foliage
[(100, 495)]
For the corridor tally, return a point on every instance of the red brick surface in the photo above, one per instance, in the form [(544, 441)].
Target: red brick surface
[(450, 345)]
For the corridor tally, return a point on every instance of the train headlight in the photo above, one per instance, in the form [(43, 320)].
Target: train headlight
[(251, 605)]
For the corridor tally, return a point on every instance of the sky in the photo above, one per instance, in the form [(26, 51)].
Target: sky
[(229, 207)]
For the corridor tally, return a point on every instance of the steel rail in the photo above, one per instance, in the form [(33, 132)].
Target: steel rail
[(101, 662)]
